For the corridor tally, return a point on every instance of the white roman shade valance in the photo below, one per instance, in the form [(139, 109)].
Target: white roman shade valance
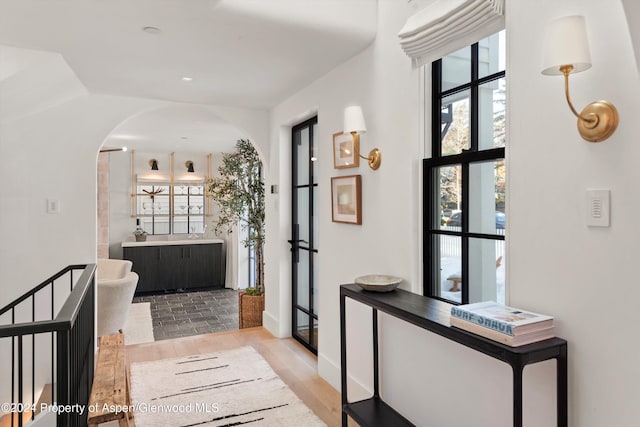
[(445, 26)]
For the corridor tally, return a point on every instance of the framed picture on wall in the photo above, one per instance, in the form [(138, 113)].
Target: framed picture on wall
[(346, 199), (345, 151)]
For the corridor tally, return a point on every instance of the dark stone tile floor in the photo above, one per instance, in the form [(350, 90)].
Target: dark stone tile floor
[(184, 314)]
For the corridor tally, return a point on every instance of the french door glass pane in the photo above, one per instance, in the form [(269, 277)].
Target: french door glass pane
[(302, 299), (487, 197), (302, 322), (455, 123), (302, 195), (302, 148), (314, 158), (486, 270), (456, 68), (316, 240), (449, 199), (315, 282), (448, 268), (492, 122), (315, 333)]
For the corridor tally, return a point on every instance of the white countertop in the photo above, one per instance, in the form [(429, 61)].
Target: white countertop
[(172, 242)]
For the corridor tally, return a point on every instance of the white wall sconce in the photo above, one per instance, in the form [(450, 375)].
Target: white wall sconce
[(354, 124), (566, 52), (189, 165)]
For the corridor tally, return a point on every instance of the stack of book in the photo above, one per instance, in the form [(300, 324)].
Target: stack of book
[(503, 324)]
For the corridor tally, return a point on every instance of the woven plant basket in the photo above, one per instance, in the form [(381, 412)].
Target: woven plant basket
[(251, 308)]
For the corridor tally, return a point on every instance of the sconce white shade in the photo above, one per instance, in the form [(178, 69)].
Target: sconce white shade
[(566, 44), (354, 120)]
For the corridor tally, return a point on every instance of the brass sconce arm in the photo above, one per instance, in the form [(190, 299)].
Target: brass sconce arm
[(375, 156), (566, 70), (598, 120)]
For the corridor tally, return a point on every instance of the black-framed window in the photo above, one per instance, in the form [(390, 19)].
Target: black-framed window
[(464, 180), (165, 208)]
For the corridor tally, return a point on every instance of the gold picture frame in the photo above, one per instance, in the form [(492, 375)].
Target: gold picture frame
[(345, 151), (346, 199)]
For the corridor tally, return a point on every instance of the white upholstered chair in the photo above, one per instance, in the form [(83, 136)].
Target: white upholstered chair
[(116, 284)]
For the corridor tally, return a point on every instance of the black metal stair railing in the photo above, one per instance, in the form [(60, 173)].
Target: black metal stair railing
[(68, 354)]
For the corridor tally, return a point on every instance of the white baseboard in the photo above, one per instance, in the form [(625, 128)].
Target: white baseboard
[(330, 372), (271, 324)]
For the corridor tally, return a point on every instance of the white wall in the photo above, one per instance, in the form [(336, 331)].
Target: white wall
[(52, 155), (48, 150), (556, 264), (121, 223)]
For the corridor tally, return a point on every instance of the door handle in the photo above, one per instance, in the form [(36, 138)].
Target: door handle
[(297, 241), (295, 248)]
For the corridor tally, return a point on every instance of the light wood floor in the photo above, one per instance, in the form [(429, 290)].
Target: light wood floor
[(297, 367)]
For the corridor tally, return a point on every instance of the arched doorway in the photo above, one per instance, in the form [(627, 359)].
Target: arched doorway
[(174, 136)]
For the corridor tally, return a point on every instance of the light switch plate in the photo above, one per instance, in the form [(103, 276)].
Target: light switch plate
[(53, 206), (598, 207)]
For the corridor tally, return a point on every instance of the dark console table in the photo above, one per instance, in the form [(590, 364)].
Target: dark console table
[(433, 315)]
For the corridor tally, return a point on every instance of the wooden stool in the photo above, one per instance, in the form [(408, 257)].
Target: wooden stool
[(456, 280)]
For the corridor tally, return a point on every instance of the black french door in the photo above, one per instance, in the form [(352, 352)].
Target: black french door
[(304, 249)]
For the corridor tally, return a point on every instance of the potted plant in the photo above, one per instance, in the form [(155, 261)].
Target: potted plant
[(239, 192), (140, 234)]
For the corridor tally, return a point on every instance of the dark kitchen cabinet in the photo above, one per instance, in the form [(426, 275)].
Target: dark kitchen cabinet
[(177, 267)]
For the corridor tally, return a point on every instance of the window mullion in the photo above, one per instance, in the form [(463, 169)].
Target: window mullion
[(436, 109), (473, 147), (431, 251), (465, 233), (474, 107)]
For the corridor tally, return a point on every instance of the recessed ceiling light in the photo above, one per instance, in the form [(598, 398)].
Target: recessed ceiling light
[(151, 30), (187, 79)]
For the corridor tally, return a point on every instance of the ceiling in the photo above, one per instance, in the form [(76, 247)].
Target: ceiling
[(186, 128), (238, 53)]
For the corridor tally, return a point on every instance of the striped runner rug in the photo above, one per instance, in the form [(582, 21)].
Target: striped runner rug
[(227, 388)]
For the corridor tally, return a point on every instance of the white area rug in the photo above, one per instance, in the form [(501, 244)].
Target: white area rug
[(139, 328), (227, 388)]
